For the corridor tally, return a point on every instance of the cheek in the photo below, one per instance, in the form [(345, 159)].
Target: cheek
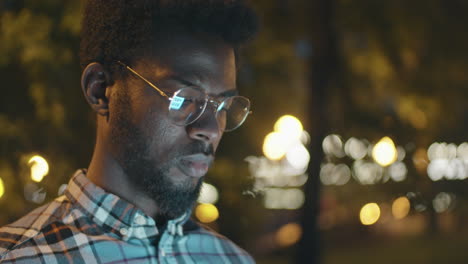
[(163, 136)]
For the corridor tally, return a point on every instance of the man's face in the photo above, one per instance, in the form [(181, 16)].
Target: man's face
[(166, 161)]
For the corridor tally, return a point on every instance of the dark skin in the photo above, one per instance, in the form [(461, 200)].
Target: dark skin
[(134, 132)]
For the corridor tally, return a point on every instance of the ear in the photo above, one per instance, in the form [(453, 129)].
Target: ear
[(95, 82)]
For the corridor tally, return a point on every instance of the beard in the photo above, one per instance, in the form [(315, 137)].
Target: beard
[(132, 149)]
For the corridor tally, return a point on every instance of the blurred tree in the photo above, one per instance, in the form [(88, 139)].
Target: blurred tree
[(324, 72), (41, 110), (403, 72), (388, 68)]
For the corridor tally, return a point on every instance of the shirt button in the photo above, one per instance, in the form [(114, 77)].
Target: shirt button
[(140, 220), (124, 231)]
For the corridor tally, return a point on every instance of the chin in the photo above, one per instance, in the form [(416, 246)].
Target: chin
[(187, 183), (174, 194)]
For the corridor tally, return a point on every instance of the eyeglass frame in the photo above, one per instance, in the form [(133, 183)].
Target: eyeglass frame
[(208, 98)]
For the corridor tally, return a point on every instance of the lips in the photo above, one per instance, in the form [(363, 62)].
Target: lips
[(195, 165)]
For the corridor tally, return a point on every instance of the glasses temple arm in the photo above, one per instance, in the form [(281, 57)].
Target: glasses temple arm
[(144, 79)]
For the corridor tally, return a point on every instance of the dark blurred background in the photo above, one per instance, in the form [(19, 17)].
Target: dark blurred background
[(369, 163)]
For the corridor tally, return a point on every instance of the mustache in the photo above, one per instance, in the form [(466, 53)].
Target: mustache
[(198, 147)]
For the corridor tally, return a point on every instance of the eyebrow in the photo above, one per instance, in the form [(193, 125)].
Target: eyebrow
[(183, 81), (227, 93)]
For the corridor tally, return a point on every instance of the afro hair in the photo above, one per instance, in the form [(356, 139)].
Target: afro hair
[(120, 29)]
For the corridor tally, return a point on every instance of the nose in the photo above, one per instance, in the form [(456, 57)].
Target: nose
[(206, 128)]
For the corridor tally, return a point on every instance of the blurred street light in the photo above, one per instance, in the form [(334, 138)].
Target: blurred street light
[(333, 145), (39, 168), (384, 152), (355, 148), (2, 188), (443, 202), (401, 207), (288, 132), (398, 171), (289, 126), (298, 156), (288, 234), (285, 162), (370, 214), (282, 198), (206, 213), (208, 194), (275, 146)]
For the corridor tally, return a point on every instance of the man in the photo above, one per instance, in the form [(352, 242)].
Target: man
[(161, 76)]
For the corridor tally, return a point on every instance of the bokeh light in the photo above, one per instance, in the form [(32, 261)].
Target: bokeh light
[(401, 153), (208, 194), (441, 151), (275, 145), (436, 169), (420, 160), (326, 174), (39, 168), (367, 172), (289, 126), (333, 146), (297, 181), (279, 198), (298, 157), (62, 188), (401, 207), (355, 148), (448, 161), (384, 152), (369, 214), (288, 234), (34, 193), (331, 174), (288, 133), (206, 213), (455, 170), (462, 151), (305, 138), (2, 188), (443, 202), (398, 171)]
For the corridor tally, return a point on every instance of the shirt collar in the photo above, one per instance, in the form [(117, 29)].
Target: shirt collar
[(110, 211)]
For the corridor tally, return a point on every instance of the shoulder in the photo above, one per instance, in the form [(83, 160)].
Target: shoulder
[(18, 233), (205, 239)]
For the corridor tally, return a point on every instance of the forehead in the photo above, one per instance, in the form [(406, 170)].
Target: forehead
[(197, 58)]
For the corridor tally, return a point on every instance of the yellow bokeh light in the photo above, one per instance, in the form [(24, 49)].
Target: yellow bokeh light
[(401, 207), (288, 234), (206, 213), (385, 152), (370, 214), (39, 168), (275, 145), (289, 126), (2, 188)]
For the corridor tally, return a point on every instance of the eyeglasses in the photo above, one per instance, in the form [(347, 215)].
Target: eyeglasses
[(188, 104)]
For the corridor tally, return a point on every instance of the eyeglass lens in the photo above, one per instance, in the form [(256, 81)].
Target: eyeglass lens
[(188, 104)]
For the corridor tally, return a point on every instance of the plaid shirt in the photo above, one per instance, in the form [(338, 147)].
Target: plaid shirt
[(90, 225)]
